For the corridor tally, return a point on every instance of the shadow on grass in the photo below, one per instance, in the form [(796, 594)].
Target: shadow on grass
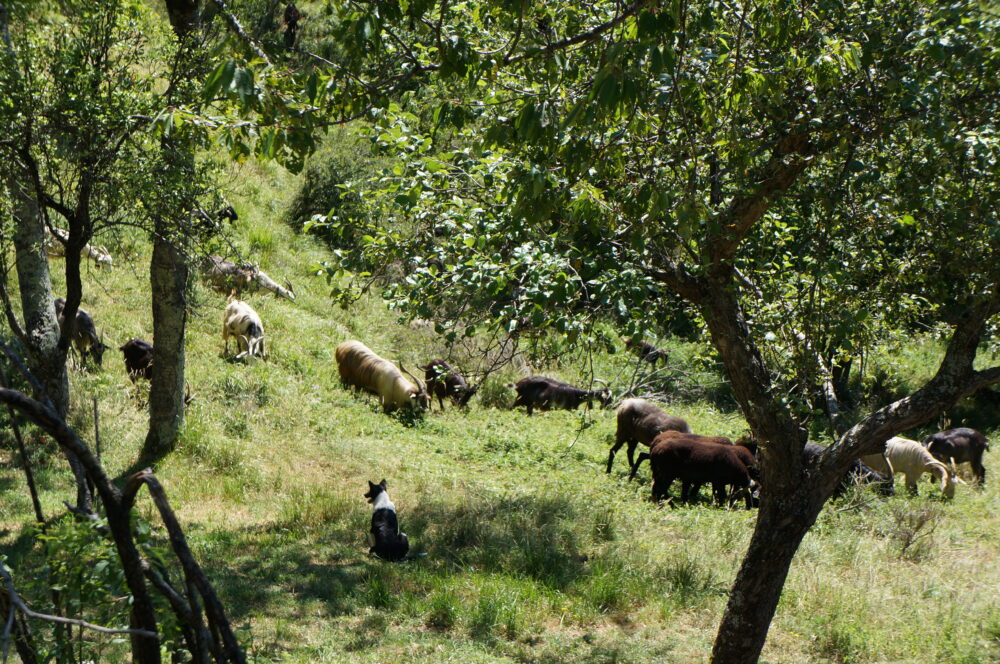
[(536, 537), (288, 569), (271, 571)]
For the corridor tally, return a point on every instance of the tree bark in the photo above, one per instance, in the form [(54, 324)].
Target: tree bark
[(168, 271), (46, 360), (781, 525), (792, 494)]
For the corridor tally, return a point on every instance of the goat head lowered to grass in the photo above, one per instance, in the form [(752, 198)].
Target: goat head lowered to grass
[(240, 321)]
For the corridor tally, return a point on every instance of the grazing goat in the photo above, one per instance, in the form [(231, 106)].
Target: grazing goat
[(640, 421), (857, 473), (444, 380), (675, 455), (960, 446), (546, 393), (240, 321), (911, 459), (138, 359), (55, 245), (223, 276), (743, 443), (360, 367), (84, 334), (647, 351)]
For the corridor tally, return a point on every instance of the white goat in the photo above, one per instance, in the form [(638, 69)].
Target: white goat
[(912, 459), (55, 245), (242, 322)]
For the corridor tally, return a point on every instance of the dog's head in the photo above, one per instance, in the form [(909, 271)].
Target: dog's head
[(374, 490)]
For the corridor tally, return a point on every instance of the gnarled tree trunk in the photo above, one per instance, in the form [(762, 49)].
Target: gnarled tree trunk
[(168, 272), (781, 525), (41, 328)]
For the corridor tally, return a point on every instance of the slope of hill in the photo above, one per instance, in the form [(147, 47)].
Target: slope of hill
[(534, 553)]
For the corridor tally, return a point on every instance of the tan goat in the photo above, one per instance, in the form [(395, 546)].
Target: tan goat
[(910, 458), (360, 367)]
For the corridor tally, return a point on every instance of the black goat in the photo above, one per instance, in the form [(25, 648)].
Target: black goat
[(443, 380), (547, 393), (138, 359), (959, 446)]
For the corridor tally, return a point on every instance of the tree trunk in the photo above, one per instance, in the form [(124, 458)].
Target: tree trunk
[(753, 600), (168, 279), (46, 359), (41, 327), (168, 274)]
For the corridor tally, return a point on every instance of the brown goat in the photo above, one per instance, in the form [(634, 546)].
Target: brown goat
[(640, 421), (706, 440), (647, 351), (84, 334), (443, 380), (676, 455)]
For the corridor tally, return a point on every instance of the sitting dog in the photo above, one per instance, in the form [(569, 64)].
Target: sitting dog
[(387, 542)]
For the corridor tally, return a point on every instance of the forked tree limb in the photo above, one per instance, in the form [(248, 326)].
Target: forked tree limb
[(231, 651)]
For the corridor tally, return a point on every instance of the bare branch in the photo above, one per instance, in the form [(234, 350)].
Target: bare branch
[(25, 460), (235, 26), (16, 600)]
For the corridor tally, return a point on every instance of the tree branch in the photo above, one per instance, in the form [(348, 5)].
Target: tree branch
[(955, 379), (675, 276), (788, 160), (16, 600), (235, 26), (583, 37)]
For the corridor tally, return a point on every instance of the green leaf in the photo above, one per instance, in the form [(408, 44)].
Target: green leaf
[(219, 79)]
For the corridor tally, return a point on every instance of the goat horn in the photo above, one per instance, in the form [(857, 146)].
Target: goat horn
[(420, 383), (603, 382)]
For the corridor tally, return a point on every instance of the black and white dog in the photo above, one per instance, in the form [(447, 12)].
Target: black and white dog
[(387, 542)]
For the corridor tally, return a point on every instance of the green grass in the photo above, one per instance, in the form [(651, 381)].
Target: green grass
[(534, 555)]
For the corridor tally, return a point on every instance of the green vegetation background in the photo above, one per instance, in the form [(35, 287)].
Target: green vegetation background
[(534, 554)]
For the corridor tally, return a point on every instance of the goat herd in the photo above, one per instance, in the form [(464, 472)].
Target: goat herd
[(674, 451)]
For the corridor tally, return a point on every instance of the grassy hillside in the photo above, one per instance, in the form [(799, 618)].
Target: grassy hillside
[(534, 554)]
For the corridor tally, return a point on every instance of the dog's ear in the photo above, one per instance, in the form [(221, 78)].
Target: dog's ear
[(372, 486), (383, 484)]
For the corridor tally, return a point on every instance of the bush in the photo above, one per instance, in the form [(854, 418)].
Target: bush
[(344, 158)]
